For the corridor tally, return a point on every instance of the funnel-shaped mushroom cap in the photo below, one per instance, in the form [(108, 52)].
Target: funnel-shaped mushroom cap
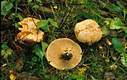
[(64, 53), (88, 31), (29, 32), (28, 24)]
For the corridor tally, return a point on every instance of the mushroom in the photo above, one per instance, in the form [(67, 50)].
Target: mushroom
[(63, 53), (88, 31), (29, 33), (28, 24)]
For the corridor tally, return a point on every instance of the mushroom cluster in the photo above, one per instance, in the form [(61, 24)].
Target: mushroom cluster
[(88, 31), (29, 33), (63, 53)]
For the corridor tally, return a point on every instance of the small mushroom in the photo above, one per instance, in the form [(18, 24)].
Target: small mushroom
[(88, 31), (63, 53), (29, 33)]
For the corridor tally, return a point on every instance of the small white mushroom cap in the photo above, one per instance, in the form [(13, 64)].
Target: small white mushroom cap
[(88, 31)]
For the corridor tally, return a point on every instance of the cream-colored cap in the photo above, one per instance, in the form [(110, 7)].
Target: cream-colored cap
[(60, 46), (88, 31)]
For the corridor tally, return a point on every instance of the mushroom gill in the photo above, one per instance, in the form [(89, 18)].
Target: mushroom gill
[(63, 53)]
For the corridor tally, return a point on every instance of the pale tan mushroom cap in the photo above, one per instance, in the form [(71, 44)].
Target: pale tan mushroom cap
[(29, 32), (88, 31), (28, 24), (29, 36), (57, 48)]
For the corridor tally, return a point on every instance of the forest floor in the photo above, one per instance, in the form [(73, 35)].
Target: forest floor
[(103, 60)]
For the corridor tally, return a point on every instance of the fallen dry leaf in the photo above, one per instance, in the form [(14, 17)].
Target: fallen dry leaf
[(107, 42), (12, 77), (86, 64)]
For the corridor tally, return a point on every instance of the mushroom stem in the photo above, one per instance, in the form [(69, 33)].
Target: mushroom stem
[(66, 56)]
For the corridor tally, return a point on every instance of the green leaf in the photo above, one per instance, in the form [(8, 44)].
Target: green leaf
[(34, 59), (9, 6), (53, 23), (6, 53), (4, 45), (3, 11), (17, 25), (38, 51), (107, 21), (105, 30), (114, 8), (42, 23), (116, 23), (88, 15), (124, 59), (126, 35), (35, 6), (12, 0), (20, 17), (29, 1), (124, 29), (125, 13), (44, 46), (39, 1), (117, 45), (3, 52), (45, 28), (76, 76), (9, 51), (5, 7)]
